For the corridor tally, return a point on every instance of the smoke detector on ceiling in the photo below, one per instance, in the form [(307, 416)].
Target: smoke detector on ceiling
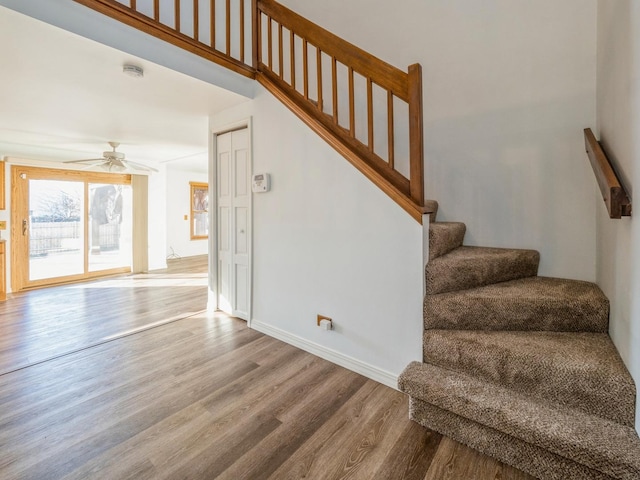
[(133, 71)]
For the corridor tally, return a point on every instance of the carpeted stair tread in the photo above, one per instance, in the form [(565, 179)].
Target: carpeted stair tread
[(595, 442), (471, 267), (576, 370), (532, 303), (444, 237), (529, 458)]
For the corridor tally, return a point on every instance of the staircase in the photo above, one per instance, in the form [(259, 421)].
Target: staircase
[(521, 367)]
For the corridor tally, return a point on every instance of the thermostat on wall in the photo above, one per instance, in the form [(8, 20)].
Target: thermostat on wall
[(260, 183)]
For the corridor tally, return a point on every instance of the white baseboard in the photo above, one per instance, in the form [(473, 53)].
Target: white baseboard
[(369, 371)]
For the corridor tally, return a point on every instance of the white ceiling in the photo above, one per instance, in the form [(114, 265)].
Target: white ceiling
[(63, 97)]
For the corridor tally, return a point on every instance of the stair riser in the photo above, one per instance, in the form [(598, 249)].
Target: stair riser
[(550, 380), (445, 237), (469, 267), (464, 311), (531, 459)]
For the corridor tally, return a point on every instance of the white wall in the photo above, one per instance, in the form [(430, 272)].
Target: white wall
[(327, 241), (77, 18), (618, 112), (158, 219), (178, 231), (508, 87)]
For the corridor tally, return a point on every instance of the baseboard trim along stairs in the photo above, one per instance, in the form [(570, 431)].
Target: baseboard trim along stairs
[(520, 367)]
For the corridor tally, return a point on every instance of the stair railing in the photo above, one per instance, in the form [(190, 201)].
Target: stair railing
[(365, 108), (613, 193), (328, 82)]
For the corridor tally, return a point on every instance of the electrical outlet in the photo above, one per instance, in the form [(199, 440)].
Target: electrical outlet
[(325, 322)]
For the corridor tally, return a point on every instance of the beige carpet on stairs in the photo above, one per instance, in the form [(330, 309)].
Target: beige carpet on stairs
[(520, 367)]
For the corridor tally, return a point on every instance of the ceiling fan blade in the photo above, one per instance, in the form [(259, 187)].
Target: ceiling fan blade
[(86, 160), (139, 166), (91, 166)]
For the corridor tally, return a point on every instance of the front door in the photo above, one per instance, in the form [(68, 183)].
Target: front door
[(234, 223)]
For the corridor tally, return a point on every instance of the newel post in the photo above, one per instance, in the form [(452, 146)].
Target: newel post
[(416, 140)]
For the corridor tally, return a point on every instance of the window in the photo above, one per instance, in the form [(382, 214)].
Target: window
[(199, 210)]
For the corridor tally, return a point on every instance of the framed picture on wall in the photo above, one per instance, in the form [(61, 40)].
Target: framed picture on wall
[(199, 210)]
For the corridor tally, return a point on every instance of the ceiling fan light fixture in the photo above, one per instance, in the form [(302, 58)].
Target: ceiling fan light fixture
[(114, 161), (133, 71)]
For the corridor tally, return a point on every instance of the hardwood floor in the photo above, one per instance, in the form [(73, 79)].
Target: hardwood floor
[(205, 397), (41, 324)]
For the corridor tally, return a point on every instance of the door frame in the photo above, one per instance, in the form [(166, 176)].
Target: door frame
[(212, 303), (20, 251)]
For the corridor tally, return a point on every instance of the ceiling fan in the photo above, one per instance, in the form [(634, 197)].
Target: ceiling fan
[(113, 161)]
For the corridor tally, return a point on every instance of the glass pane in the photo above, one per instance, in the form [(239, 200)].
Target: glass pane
[(110, 226), (56, 229), (199, 210), (200, 224)]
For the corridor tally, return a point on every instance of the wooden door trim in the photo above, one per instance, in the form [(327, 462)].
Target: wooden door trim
[(19, 211)]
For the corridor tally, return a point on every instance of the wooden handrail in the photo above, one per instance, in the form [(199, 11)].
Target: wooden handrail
[(314, 92), (613, 193), (385, 75)]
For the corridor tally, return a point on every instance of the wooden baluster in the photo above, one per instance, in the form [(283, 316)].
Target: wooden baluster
[(334, 85), (292, 47), (196, 19), (319, 68), (390, 125), (242, 31), (270, 43), (305, 68), (133, 5), (156, 10), (352, 101), (228, 27), (280, 51), (213, 23), (177, 14), (370, 112), (416, 145), (256, 32)]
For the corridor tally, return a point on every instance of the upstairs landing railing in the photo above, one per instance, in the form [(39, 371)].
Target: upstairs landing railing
[(368, 110), (218, 30)]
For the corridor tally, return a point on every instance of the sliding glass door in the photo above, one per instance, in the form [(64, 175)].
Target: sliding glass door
[(55, 228), (69, 225)]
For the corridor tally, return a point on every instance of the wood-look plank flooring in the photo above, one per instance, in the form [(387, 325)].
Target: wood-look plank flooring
[(205, 397), (41, 324)]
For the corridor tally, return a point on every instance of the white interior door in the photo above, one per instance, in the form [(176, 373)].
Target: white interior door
[(234, 223)]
